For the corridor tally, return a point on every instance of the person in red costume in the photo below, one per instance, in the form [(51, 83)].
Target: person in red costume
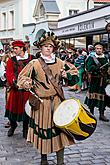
[(15, 106)]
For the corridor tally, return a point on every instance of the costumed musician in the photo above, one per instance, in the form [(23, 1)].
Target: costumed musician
[(42, 131)]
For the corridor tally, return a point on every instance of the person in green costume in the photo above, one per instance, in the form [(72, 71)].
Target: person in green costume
[(97, 71), (80, 64)]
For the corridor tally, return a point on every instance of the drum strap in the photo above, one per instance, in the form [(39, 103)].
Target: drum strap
[(49, 74), (96, 61)]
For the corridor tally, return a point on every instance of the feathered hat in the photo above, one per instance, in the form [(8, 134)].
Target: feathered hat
[(47, 38)]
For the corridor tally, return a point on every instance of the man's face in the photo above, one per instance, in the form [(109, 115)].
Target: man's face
[(47, 49), (99, 50), (17, 50)]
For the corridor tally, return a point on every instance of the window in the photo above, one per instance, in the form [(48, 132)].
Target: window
[(42, 12), (4, 21), (11, 19), (72, 12)]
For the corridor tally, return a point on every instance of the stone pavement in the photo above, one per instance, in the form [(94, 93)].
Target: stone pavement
[(94, 150)]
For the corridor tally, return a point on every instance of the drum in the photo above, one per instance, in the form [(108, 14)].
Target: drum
[(28, 108), (74, 119), (107, 95), (107, 90)]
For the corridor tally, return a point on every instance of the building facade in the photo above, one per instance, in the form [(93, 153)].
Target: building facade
[(90, 25), (16, 19), (48, 12), (22, 19)]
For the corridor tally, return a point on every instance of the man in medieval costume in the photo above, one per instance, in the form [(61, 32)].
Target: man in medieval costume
[(16, 100), (42, 131), (97, 68)]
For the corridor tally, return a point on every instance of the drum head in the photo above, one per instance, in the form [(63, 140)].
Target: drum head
[(66, 112), (107, 90)]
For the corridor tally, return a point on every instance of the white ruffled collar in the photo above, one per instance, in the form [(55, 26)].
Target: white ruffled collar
[(101, 56), (48, 59), (23, 58)]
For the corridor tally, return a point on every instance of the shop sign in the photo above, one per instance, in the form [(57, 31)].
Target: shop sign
[(81, 27), (86, 26), (70, 29)]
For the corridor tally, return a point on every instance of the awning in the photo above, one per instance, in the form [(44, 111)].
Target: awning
[(102, 1)]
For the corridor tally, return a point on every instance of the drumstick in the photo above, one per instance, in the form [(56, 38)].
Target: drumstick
[(35, 95), (104, 65)]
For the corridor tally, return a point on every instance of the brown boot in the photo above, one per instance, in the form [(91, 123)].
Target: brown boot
[(102, 117), (60, 157)]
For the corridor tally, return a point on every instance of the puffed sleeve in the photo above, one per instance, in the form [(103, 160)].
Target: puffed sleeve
[(72, 74), (25, 75)]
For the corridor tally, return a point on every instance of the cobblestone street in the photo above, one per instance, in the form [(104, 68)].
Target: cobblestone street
[(94, 150)]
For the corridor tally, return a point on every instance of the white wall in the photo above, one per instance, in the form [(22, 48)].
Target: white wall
[(23, 14), (65, 5), (6, 6), (18, 20), (28, 10)]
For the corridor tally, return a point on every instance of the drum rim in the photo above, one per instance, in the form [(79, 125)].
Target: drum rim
[(107, 90), (64, 126), (28, 112)]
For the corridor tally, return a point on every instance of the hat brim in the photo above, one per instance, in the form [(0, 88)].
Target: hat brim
[(39, 44)]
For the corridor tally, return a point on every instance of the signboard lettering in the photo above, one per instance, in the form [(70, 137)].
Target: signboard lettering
[(86, 26)]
